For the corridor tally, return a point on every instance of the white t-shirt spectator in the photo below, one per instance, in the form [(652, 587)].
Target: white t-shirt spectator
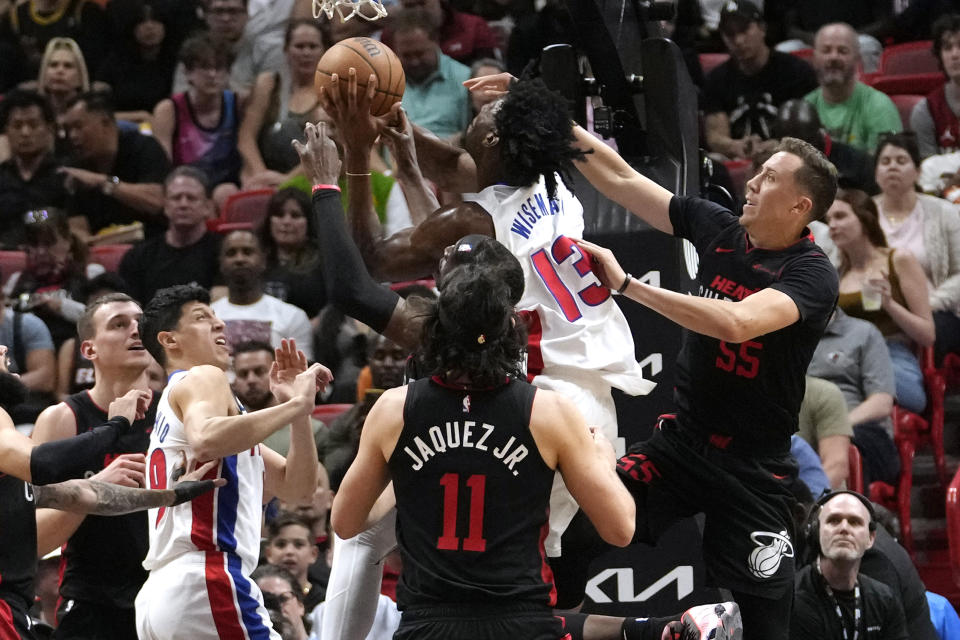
[(268, 319)]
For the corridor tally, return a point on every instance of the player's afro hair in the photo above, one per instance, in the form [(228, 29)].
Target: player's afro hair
[(536, 135)]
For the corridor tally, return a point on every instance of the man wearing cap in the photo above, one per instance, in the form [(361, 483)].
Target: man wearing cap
[(741, 96), (833, 600)]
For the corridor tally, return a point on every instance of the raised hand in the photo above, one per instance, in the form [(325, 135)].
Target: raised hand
[(349, 109), (307, 384), (603, 264), (192, 484), (318, 156), (132, 405), (397, 134), (288, 363), (126, 470), (490, 87)]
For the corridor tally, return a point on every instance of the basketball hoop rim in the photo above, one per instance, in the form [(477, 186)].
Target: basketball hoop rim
[(329, 7)]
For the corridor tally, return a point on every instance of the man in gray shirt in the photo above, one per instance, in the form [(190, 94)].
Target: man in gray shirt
[(853, 355)]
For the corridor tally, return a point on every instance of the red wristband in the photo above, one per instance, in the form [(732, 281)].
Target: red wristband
[(317, 187)]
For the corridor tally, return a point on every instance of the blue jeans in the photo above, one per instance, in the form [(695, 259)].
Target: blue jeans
[(907, 376)]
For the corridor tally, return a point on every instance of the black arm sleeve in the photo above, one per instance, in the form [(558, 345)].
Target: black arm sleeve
[(349, 285), (66, 459)]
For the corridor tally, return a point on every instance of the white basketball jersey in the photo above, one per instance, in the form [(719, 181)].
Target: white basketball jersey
[(575, 326), (226, 519)]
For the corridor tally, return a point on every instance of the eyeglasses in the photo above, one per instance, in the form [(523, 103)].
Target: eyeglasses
[(285, 596), (35, 216)]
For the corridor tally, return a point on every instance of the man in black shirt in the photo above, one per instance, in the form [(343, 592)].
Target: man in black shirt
[(29, 178), (741, 96), (186, 251), (766, 292), (834, 600), (118, 173), (103, 570)]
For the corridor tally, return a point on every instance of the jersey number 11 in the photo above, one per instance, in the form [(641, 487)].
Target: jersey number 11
[(474, 541)]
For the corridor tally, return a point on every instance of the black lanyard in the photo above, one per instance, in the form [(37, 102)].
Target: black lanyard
[(839, 611)]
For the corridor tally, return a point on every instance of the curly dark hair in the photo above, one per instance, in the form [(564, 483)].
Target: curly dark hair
[(163, 314), (473, 331), (536, 136), (493, 257)]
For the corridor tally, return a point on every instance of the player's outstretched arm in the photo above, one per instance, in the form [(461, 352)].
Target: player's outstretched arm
[(613, 177), (358, 129), (113, 491), (369, 475), (408, 254), (205, 404), (447, 166), (63, 455), (587, 463), (95, 497), (349, 285), (397, 135), (763, 312), (293, 479)]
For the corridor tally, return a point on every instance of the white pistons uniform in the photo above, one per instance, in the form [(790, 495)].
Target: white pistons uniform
[(580, 344), (576, 326), (202, 552)]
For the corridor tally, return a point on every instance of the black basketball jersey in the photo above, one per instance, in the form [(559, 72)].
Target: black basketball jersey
[(18, 542), (472, 497), (749, 391), (83, 373), (103, 557)]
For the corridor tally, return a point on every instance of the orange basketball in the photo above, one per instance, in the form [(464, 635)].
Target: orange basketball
[(367, 56)]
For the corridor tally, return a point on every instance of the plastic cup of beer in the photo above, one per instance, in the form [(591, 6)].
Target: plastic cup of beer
[(870, 297)]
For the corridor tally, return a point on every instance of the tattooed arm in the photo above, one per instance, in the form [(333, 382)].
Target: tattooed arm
[(105, 499)]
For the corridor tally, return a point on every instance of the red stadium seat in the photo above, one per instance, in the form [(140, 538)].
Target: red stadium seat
[(710, 61), (953, 526), (905, 104), (109, 255), (909, 58), (10, 263), (855, 470), (917, 83), (243, 210), (897, 498), (930, 426), (951, 370), (329, 412)]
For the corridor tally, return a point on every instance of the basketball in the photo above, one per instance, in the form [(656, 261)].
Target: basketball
[(367, 56)]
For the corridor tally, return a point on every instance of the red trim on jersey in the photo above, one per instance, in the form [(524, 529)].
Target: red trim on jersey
[(534, 335), (220, 594), (87, 391), (201, 509), (546, 573), (7, 630)]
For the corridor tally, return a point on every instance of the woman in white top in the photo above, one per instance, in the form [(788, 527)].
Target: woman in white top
[(928, 227)]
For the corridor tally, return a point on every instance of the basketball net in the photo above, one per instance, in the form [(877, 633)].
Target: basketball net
[(353, 7)]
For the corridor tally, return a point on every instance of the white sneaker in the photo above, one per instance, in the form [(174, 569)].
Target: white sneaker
[(719, 621)]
